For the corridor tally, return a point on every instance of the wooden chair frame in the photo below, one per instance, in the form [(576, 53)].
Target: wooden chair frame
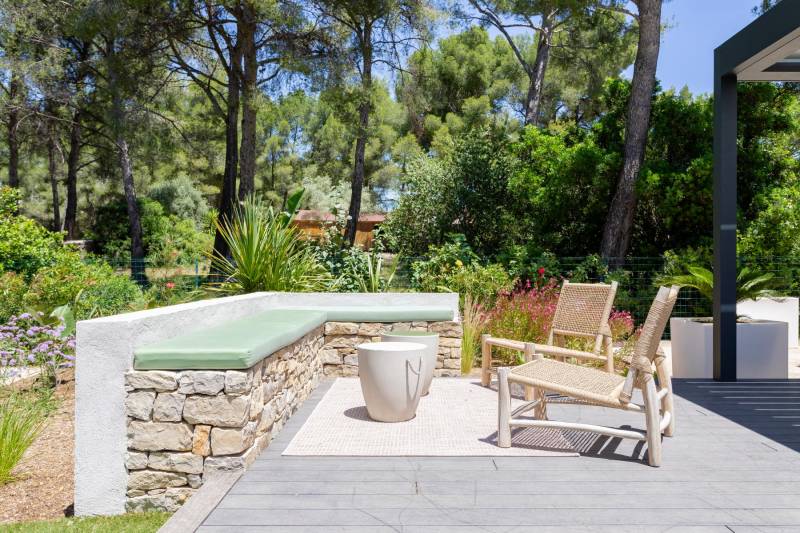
[(658, 406), (559, 330)]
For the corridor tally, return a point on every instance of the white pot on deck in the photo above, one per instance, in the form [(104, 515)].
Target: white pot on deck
[(392, 375), (762, 350), (778, 309)]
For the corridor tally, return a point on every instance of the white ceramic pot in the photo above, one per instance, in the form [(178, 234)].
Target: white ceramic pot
[(762, 350), (778, 309), (392, 375), (431, 342)]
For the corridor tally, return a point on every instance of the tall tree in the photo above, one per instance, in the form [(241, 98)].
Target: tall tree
[(128, 60), (619, 221), (373, 32), (235, 48), (544, 19)]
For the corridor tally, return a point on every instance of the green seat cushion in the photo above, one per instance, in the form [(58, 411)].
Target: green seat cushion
[(386, 313), (237, 344)]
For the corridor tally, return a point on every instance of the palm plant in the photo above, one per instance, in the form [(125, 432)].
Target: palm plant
[(266, 252), (750, 285)]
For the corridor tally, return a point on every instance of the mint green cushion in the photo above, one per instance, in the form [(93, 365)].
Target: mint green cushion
[(232, 345), (242, 343), (387, 313)]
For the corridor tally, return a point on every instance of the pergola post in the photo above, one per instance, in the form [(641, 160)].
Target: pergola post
[(725, 155)]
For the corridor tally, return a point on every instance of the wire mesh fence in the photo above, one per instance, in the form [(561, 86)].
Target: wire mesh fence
[(637, 278)]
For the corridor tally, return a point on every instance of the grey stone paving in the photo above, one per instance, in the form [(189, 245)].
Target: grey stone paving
[(732, 466)]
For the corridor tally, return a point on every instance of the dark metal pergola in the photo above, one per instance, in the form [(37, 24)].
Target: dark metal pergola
[(766, 50)]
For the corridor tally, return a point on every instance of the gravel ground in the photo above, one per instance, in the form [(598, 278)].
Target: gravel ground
[(44, 488)]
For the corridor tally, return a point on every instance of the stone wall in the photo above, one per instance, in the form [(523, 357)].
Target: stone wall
[(186, 425), (340, 357)]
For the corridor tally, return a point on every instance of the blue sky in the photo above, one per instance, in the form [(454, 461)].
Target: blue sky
[(697, 27)]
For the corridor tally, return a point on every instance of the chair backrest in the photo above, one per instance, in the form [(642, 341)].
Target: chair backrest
[(583, 310), (647, 345)]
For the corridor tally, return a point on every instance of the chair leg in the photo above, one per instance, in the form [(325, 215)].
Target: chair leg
[(503, 409), (608, 348), (667, 402), (652, 414)]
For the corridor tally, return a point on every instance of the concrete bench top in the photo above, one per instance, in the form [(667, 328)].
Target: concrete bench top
[(241, 343)]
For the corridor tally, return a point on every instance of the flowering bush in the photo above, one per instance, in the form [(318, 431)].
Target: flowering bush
[(621, 323), (525, 314), (25, 341)]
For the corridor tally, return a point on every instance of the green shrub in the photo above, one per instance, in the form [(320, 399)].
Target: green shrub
[(12, 291), (168, 239), (10, 199), (91, 288), (181, 198), (425, 212), (25, 245), (108, 295), (454, 267), (21, 420), (59, 283)]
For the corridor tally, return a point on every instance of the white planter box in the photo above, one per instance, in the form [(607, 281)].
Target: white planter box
[(762, 350), (778, 309)]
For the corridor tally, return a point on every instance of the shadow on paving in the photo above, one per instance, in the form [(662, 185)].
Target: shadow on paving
[(770, 408)]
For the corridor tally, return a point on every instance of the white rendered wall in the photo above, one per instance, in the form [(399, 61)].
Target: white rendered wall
[(105, 353)]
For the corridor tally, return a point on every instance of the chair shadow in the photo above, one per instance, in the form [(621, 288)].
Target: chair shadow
[(585, 443)]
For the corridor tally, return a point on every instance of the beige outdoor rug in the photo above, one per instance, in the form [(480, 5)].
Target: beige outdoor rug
[(458, 418)]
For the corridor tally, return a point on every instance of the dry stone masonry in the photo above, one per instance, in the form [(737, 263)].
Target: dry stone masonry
[(340, 357), (184, 426)]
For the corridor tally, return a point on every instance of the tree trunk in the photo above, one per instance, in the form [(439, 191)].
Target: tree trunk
[(52, 172), (228, 193), (246, 35), (361, 141), (138, 273), (73, 160), (619, 222), (533, 102), (135, 225), (14, 90)]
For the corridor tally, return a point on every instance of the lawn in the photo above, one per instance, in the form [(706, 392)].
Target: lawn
[(127, 523)]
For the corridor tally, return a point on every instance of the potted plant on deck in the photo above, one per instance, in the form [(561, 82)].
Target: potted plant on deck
[(762, 346)]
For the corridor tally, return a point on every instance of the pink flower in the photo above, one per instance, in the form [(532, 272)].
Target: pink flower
[(170, 285)]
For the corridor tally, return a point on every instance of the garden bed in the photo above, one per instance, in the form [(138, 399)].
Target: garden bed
[(44, 489)]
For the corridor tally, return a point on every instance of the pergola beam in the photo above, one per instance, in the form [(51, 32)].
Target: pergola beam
[(757, 53)]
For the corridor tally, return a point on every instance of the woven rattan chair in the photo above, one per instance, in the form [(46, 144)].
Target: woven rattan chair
[(584, 385), (582, 312)]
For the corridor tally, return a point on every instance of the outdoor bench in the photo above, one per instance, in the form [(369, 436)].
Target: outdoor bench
[(241, 343), (169, 396)]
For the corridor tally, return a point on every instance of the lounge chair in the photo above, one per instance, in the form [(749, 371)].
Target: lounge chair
[(584, 385), (582, 312)]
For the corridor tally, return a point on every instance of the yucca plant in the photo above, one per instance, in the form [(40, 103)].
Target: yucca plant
[(375, 280), (750, 285), (266, 253)]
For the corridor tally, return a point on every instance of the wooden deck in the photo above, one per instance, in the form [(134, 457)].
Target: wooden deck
[(732, 466)]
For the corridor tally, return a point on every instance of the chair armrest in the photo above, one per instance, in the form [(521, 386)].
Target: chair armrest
[(543, 349), (566, 352)]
